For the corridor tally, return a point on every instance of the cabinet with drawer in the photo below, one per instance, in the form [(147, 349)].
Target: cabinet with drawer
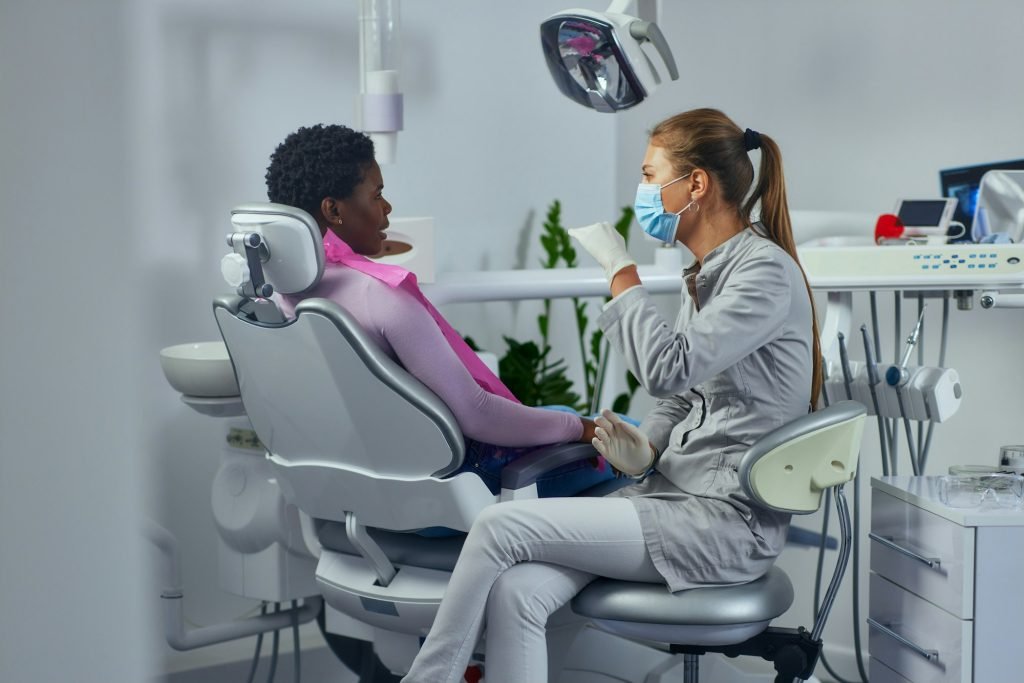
[(945, 593)]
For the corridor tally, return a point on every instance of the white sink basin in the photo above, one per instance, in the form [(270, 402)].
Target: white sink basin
[(200, 369)]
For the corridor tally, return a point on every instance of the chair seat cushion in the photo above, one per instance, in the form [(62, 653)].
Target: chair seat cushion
[(758, 601), (400, 548), (429, 552)]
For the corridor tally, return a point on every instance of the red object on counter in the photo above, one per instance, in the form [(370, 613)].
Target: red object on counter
[(888, 226)]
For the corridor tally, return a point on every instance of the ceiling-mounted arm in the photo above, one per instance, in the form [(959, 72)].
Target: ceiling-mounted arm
[(642, 9), (649, 31)]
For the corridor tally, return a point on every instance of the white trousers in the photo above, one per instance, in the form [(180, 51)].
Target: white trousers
[(522, 561)]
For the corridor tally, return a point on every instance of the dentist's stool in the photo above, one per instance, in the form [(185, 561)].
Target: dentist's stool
[(787, 470)]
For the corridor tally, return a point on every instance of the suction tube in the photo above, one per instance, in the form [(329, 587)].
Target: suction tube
[(172, 594)]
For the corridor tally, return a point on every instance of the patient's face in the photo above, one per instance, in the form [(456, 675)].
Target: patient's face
[(364, 215)]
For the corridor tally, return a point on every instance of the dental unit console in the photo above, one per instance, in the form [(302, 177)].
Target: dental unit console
[(952, 266)]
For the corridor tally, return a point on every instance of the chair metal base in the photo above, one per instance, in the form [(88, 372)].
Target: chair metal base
[(407, 605), (793, 653)]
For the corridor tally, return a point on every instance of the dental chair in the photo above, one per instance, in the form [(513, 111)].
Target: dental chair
[(788, 470), (361, 447)]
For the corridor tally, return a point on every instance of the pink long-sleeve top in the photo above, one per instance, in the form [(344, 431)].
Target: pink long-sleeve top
[(403, 328)]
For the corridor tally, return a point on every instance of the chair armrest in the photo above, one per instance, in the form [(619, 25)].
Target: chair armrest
[(529, 468)]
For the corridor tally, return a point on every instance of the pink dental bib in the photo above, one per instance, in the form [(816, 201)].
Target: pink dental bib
[(337, 251)]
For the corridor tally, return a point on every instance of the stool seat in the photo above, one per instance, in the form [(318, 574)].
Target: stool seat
[(709, 615)]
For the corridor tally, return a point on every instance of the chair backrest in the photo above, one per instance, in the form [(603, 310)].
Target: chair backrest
[(789, 468), (347, 428)]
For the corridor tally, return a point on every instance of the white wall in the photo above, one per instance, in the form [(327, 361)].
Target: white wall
[(868, 101), (72, 606)]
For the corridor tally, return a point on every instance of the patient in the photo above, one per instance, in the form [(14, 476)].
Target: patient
[(330, 172)]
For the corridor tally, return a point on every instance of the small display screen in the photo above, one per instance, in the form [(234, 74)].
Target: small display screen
[(962, 184), (922, 212)]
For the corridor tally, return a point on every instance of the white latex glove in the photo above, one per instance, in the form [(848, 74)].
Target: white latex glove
[(604, 244), (622, 444)]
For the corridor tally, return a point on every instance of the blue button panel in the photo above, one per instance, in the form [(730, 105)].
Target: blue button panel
[(973, 261)]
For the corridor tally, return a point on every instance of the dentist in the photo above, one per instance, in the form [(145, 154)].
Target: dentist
[(741, 359)]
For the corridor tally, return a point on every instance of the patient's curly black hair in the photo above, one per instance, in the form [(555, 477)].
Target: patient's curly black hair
[(316, 162)]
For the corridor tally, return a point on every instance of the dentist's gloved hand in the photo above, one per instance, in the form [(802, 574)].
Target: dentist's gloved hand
[(606, 245), (622, 444)]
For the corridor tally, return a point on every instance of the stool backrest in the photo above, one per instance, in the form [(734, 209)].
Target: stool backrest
[(789, 468)]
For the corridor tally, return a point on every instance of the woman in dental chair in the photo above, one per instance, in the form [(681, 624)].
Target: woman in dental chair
[(741, 359), (330, 172)]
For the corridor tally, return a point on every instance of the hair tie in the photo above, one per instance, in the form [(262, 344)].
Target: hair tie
[(751, 139)]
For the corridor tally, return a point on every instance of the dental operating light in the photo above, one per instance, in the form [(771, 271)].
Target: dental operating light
[(597, 58)]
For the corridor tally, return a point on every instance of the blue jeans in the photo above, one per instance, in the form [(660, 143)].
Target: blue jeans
[(487, 461)]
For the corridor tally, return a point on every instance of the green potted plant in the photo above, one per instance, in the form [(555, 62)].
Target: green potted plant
[(531, 370)]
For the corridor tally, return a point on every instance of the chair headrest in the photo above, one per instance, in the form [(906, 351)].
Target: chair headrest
[(293, 260)]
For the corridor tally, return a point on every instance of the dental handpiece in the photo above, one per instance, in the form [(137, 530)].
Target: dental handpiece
[(897, 375), (844, 360), (898, 380), (873, 380), (914, 455), (912, 339)]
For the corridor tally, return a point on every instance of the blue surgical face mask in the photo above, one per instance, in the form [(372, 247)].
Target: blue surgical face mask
[(650, 212)]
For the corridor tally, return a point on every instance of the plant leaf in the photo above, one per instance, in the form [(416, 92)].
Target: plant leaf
[(631, 382), (625, 220), (581, 320), (595, 344)]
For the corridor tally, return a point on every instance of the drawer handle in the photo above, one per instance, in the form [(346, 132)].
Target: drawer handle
[(932, 562), (930, 655)]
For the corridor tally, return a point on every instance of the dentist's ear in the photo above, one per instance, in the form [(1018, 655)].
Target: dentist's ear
[(699, 183)]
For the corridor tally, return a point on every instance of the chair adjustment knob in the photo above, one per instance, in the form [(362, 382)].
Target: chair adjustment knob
[(235, 269)]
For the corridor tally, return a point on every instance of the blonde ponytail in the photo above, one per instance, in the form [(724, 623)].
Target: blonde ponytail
[(771, 191)]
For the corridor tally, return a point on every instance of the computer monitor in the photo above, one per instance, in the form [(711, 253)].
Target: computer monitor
[(962, 183)]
